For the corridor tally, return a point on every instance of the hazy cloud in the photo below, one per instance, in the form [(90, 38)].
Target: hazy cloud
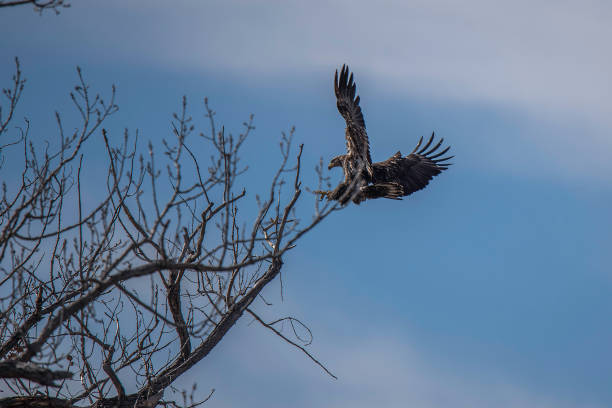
[(547, 56), (372, 371), (548, 59)]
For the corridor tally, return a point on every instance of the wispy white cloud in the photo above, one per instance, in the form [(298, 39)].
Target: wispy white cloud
[(546, 59), (373, 371), (544, 55), (386, 372), (547, 55)]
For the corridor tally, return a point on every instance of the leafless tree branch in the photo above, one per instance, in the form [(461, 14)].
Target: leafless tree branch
[(130, 285), (38, 5)]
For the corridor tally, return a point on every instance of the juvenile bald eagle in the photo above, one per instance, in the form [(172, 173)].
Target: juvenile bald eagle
[(393, 178)]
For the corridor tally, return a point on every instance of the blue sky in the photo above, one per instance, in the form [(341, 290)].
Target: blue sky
[(492, 287)]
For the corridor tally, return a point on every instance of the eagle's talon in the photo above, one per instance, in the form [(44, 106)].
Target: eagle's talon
[(322, 194)]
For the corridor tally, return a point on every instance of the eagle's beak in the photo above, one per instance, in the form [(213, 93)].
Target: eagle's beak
[(330, 166)]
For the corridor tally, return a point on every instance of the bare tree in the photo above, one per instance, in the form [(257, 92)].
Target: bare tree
[(107, 299), (39, 5)]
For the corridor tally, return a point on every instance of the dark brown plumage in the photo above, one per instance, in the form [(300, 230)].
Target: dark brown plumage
[(357, 143), (393, 178)]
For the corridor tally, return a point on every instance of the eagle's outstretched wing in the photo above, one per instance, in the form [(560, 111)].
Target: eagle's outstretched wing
[(357, 142), (414, 171)]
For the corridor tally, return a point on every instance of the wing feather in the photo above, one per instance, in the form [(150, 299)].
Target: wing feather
[(427, 145), (348, 106), (418, 145), (440, 153), (393, 191), (412, 172)]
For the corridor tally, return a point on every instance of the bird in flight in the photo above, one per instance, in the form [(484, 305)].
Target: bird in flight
[(393, 178)]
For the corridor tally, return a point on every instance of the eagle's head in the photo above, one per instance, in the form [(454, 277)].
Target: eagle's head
[(336, 162)]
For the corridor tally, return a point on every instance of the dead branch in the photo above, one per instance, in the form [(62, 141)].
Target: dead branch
[(141, 278), (32, 372)]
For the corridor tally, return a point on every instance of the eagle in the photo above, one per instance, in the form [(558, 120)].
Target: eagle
[(394, 178)]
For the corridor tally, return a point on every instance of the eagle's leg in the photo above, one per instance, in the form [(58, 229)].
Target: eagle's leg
[(336, 194), (341, 193)]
